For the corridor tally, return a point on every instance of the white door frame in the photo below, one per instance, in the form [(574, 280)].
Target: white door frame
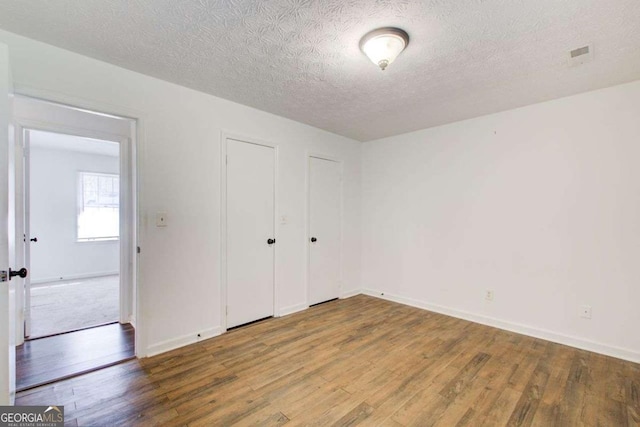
[(224, 137), (128, 165), (23, 300), (7, 235), (307, 246), (23, 127)]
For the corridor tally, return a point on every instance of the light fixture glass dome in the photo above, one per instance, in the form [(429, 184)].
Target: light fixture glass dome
[(384, 45)]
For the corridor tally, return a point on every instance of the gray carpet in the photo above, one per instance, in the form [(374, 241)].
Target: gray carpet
[(73, 304)]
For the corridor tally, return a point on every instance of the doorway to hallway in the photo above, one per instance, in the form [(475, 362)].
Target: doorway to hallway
[(77, 217), (72, 216)]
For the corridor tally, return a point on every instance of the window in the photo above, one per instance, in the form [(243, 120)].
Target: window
[(98, 206)]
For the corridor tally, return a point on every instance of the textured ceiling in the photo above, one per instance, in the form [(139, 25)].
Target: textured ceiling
[(300, 58)]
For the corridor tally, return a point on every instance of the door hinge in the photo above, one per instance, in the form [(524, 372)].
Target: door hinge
[(138, 249), (226, 160), (3, 276)]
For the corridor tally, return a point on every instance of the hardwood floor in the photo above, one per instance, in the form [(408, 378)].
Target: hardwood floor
[(43, 360), (359, 361)]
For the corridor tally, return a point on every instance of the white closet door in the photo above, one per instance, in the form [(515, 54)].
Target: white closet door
[(324, 227), (250, 228)]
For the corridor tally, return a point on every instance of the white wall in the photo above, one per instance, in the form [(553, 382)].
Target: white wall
[(179, 173), (540, 204), (54, 208)]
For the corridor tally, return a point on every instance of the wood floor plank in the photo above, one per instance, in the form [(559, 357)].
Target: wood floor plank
[(469, 411), (356, 416), (334, 407), (358, 361), (527, 406), (265, 417), (500, 411), (633, 416)]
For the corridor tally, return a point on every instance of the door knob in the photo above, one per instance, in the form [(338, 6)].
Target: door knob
[(313, 240), (35, 240), (21, 273), (271, 241)]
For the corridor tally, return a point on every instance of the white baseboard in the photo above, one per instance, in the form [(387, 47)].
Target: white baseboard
[(74, 277), (351, 293), (182, 341), (132, 321), (583, 344), (293, 309)]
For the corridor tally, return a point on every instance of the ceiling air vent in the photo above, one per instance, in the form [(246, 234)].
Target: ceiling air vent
[(580, 56)]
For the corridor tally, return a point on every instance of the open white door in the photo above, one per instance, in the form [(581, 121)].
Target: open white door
[(7, 240)]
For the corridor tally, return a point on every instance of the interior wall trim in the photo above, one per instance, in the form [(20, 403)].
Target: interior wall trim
[(75, 277), (172, 344), (350, 293), (293, 309)]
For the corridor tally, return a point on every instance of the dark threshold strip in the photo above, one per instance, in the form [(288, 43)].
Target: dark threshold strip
[(75, 374), (324, 302), (68, 332), (249, 323)]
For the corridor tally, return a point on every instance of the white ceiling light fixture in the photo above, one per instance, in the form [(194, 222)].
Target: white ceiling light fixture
[(383, 45)]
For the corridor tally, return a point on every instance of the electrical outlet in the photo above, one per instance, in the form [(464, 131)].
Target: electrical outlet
[(161, 219), (585, 312), (488, 295)]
